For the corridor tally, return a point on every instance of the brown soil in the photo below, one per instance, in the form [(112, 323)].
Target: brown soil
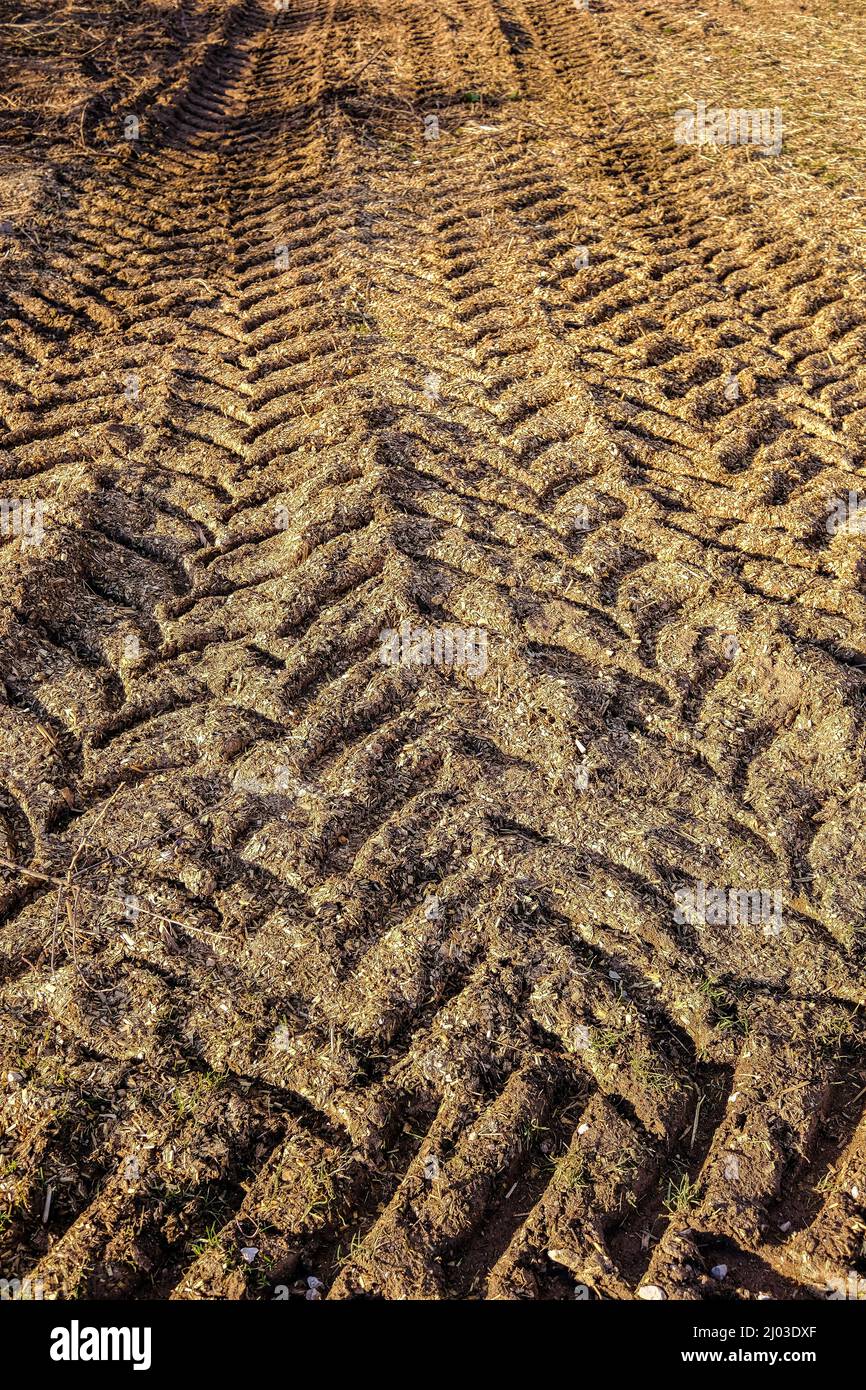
[(375, 969)]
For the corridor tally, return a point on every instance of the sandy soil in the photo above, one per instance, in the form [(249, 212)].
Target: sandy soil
[(326, 322)]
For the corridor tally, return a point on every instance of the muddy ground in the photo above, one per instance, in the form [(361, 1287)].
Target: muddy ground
[(324, 318)]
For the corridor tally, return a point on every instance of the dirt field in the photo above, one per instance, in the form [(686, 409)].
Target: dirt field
[(432, 564)]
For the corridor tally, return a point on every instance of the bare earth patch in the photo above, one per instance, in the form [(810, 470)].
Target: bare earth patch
[(433, 651)]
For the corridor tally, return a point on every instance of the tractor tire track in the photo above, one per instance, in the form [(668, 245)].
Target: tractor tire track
[(400, 314)]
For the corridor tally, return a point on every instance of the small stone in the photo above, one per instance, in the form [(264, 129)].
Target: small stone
[(719, 1271), (249, 1253), (651, 1293)]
